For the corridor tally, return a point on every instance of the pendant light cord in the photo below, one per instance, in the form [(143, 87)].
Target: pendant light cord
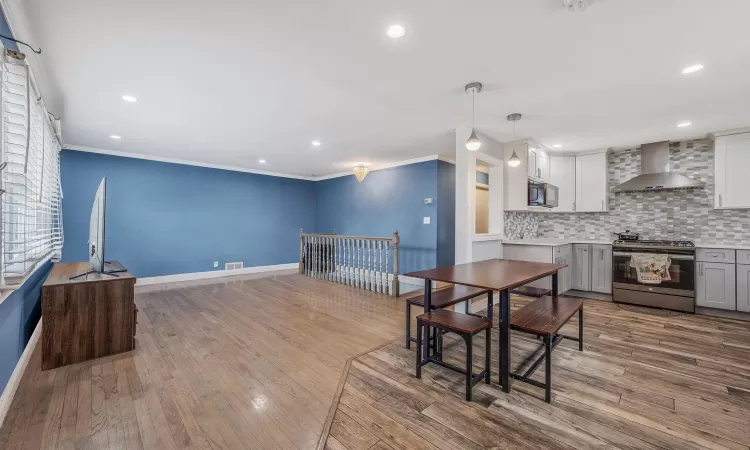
[(473, 92)]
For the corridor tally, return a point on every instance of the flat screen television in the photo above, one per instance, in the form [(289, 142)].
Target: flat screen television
[(97, 228)]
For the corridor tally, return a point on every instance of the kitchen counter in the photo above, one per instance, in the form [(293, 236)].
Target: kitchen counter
[(552, 242), (731, 246)]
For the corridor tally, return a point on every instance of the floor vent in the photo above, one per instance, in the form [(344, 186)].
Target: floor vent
[(233, 266)]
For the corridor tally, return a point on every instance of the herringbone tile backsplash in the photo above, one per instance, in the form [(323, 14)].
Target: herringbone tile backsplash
[(656, 215)]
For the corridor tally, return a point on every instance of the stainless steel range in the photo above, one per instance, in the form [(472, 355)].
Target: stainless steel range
[(677, 293)]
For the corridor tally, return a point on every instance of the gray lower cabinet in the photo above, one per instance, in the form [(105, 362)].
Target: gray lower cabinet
[(581, 267), (715, 285), (743, 287), (563, 255), (601, 268)]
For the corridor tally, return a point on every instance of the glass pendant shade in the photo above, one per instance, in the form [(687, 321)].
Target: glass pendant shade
[(514, 160), (361, 172), (473, 143)]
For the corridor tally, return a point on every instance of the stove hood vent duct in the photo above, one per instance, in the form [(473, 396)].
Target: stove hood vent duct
[(655, 174)]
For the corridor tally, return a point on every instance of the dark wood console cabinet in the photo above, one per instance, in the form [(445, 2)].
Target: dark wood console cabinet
[(86, 318)]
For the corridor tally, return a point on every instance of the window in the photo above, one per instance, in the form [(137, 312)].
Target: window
[(31, 202)]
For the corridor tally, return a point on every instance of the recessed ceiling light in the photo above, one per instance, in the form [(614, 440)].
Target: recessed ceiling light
[(115, 137), (693, 68), (262, 161), (557, 146), (316, 143), (684, 124), (396, 31), (129, 98)]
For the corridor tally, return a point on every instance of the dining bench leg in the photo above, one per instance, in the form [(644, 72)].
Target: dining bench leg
[(469, 365), (418, 352), (548, 368), (408, 325)]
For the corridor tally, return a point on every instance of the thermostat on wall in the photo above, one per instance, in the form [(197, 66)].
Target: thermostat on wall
[(428, 201)]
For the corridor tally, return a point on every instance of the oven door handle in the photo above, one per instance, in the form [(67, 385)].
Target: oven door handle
[(680, 257)]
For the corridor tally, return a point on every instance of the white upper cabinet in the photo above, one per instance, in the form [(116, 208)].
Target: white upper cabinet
[(732, 159), (538, 164), (531, 167), (562, 173), (591, 183)]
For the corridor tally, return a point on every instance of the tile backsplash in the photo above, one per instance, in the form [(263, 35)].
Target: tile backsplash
[(656, 215)]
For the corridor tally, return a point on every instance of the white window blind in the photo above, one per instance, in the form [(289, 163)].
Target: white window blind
[(31, 201)]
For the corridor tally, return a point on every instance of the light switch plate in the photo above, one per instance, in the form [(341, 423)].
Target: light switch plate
[(426, 220)]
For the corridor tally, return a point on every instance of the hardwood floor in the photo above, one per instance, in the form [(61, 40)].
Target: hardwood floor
[(642, 382), (251, 364), (257, 364)]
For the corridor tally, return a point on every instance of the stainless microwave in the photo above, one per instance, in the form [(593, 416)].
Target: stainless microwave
[(542, 194)]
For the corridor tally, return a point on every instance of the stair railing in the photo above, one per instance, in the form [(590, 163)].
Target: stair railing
[(359, 261)]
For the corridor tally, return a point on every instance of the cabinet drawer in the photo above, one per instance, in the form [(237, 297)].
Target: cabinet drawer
[(720, 255), (743, 256)]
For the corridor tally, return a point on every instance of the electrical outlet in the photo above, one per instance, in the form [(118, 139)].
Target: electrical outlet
[(216, 263), (426, 220)]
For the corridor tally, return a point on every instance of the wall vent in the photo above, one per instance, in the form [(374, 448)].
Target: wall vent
[(233, 266)]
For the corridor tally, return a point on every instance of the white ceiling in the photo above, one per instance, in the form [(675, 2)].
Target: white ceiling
[(228, 82)]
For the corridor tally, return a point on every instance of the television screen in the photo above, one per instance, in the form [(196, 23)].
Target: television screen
[(96, 229)]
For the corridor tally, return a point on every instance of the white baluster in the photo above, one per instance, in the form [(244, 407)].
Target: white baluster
[(387, 281)]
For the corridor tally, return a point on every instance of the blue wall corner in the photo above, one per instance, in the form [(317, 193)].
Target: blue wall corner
[(19, 315), (165, 219), (446, 238), (387, 200)]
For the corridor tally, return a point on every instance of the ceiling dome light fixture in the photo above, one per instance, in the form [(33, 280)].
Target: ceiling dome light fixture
[(262, 161), (316, 143), (361, 171), (129, 98), (396, 31), (473, 143), (115, 137), (692, 69), (514, 160), (684, 124)]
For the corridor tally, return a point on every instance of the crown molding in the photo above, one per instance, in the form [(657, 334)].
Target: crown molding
[(381, 167), (103, 151)]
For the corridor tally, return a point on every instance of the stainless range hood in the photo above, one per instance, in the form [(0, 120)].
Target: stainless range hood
[(655, 174)]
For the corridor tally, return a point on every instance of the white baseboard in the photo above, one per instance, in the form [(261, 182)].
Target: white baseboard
[(212, 274), (15, 379)]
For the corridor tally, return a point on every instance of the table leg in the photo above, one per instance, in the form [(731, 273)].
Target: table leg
[(504, 344), (489, 307), (554, 285), (427, 308)]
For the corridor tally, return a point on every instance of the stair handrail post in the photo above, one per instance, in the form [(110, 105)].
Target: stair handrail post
[(396, 240), (301, 251)]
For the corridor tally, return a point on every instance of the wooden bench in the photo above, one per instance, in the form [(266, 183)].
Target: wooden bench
[(465, 326), (530, 291), (441, 298), (544, 317)]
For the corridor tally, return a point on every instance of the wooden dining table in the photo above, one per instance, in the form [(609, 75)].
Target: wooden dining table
[(494, 275)]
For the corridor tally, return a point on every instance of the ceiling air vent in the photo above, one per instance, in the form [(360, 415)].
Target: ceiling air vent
[(233, 266)]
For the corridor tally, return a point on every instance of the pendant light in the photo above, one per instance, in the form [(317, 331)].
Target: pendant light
[(514, 160), (473, 143)]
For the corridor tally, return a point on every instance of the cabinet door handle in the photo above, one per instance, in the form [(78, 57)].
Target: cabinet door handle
[(720, 200), (601, 254), (602, 205), (700, 269)]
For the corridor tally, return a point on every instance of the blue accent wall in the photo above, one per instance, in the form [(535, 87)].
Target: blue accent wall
[(387, 200), (446, 237), (164, 219), (19, 314)]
